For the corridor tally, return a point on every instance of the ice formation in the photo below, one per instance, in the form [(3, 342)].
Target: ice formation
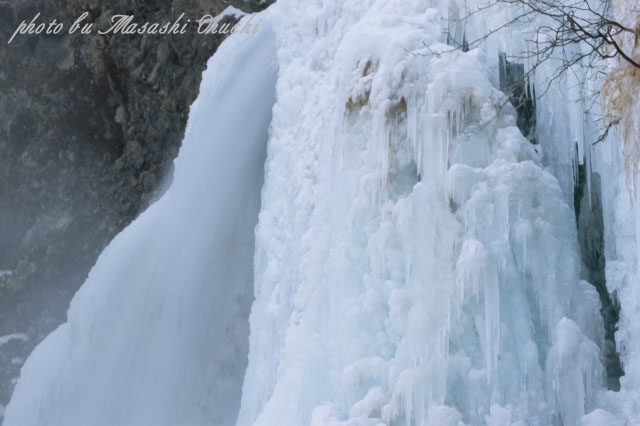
[(158, 333), (423, 266), (416, 260)]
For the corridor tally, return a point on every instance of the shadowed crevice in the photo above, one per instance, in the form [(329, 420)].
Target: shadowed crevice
[(590, 225)]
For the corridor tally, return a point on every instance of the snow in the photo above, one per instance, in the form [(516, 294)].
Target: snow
[(415, 258), (600, 418), (11, 337), (228, 11)]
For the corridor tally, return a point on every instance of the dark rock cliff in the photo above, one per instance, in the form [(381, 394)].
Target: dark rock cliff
[(89, 127)]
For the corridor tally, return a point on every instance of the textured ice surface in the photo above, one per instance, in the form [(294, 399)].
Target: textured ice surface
[(416, 259), (415, 262)]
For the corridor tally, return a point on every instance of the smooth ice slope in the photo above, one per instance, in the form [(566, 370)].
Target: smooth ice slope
[(158, 334), (415, 262)]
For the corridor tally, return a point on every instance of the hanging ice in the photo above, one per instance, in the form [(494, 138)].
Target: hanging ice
[(415, 263)]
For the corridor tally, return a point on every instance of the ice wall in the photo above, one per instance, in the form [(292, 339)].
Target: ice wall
[(416, 263), (158, 335), (616, 165), (621, 221)]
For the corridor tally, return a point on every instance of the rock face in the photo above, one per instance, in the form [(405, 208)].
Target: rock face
[(89, 127), (590, 223)]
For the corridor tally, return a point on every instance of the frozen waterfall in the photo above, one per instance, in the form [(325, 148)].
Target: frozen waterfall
[(422, 267), (159, 334), (415, 263)]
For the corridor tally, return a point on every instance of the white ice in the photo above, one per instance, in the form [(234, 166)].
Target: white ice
[(415, 262)]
